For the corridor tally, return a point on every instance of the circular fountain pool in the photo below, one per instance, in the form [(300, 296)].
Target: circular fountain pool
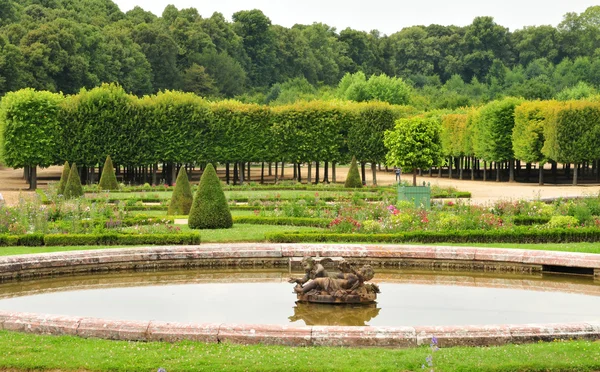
[(500, 295), (408, 298)]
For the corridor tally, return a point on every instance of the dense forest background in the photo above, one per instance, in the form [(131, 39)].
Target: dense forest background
[(66, 45)]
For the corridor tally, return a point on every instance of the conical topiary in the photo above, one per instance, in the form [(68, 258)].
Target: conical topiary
[(63, 179), (181, 200), (73, 189), (108, 180), (353, 178), (210, 209)]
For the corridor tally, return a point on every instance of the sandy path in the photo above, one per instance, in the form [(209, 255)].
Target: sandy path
[(12, 185)]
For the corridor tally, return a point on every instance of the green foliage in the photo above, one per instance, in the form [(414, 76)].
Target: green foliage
[(64, 177), (210, 209), (356, 87), (283, 221), (367, 127), (52, 240), (494, 130), (108, 180), (181, 200), (453, 134), (573, 134), (73, 188), (353, 178), (580, 91), (414, 143), (519, 235), (29, 128)]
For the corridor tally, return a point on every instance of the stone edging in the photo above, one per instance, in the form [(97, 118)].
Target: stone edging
[(28, 265)]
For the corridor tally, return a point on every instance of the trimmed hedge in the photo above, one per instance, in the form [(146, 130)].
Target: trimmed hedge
[(517, 235), (64, 177), (38, 240), (182, 197), (108, 179), (130, 208), (209, 209), (283, 221), (527, 220), (353, 178)]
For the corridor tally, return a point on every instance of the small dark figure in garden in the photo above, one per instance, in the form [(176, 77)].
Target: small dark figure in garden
[(397, 171)]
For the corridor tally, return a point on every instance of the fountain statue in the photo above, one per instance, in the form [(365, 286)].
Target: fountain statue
[(348, 286)]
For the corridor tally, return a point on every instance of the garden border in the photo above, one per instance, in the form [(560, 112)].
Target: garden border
[(263, 254)]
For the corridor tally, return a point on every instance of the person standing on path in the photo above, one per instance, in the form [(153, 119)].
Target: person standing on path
[(397, 170)]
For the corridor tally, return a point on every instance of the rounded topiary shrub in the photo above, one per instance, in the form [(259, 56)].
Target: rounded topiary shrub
[(73, 189), (108, 180), (64, 177), (353, 178), (209, 209), (181, 200)]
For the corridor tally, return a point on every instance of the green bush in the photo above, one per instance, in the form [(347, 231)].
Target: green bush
[(209, 209), (36, 240), (517, 235), (527, 220), (287, 221), (108, 180), (73, 188), (182, 198), (64, 177), (563, 222), (353, 178)]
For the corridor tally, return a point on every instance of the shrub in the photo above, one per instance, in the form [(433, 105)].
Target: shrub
[(73, 188), (209, 208), (182, 198), (562, 222), (64, 177), (108, 180), (353, 178)]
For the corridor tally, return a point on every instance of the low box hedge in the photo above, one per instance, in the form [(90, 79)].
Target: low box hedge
[(34, 240), (528, 220), (517, 235), (287, 221)]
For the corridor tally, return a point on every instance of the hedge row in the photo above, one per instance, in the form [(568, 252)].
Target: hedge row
[(130, 208), (449, 195), (38, 240), (129, 221), (517, 235), (528, 220), (287, 221)]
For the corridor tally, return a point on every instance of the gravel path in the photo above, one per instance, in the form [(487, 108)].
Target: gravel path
[(13, 187)]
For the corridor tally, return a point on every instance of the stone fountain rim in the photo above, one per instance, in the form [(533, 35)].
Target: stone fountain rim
[(481, 335)]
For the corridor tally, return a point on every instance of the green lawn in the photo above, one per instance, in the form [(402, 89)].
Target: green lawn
[(27, 352)]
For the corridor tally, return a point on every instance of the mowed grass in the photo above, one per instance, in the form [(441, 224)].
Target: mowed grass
[(27, 352)]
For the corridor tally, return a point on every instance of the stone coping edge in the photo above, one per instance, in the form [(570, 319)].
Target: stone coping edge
[(488, 335), (288, 335)]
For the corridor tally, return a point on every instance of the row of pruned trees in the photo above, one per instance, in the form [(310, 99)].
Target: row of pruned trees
[(172, 128), (511, 131)]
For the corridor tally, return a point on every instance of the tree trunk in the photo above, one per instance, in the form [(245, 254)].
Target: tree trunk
[(472, 168), (249, 170), (270, 169), (276, 172), (299, 173), (295, 172), (317, 173), (235, 173), (415, 177), (497, 171), (575, 171), (333, 179), (555, 172), (460, 167), (32, 177), (363, 173), (440, 171), (227, 173), (511, 170), (541, 174), (242, 175), (484, 171), (527, 171), (450, 167), (262, 172), (309, 175), (154, 174), (282, 169), (326, 172), (374, 172)]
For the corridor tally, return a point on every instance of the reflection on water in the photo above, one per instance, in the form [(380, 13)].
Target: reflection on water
[(334, 314), (408, 298)]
